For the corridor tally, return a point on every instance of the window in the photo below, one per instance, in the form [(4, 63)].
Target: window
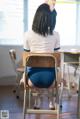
[(13, 11), (66, 23), (66, 19), (11, 22)]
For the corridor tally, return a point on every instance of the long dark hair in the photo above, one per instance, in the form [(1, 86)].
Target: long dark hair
[(44, 20), (53, 19)]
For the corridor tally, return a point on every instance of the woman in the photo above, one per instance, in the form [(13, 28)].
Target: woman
[(42, 39)]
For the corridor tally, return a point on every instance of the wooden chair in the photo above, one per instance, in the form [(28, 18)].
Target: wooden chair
[(18, 68), (41, 60)]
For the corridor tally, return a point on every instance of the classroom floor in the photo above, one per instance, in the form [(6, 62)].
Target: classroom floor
[(9, 102)]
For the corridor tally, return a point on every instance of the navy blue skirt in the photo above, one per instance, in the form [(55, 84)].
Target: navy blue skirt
[(41, 77)]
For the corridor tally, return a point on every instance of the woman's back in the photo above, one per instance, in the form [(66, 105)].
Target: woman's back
[(39, 43), (42, 38)]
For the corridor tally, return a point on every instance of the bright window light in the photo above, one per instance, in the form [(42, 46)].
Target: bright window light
[(11, 22)]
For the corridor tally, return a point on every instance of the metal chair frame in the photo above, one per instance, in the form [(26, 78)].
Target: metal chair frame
[(18, 71), (41, 60)]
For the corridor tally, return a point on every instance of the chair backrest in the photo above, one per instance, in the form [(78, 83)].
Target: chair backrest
[(47, 60), (12, 54), (41, 59), (17, 65)]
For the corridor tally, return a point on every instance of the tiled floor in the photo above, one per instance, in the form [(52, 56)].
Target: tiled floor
[(9, 102)]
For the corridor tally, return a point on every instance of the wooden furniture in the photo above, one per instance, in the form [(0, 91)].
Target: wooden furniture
[(18, 68), (71, 57), (41, 60)]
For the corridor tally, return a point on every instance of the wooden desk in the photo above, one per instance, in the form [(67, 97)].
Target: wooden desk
[(71, 57)]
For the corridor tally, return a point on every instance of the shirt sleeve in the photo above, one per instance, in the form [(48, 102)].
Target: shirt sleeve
[(57, 44), (26, 43)]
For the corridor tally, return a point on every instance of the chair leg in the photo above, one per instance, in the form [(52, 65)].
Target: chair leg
[(24, 104), (18, 77), (58, 104), (58, 100), (68, 83), (58, 111), (60, 95), (29, 98)]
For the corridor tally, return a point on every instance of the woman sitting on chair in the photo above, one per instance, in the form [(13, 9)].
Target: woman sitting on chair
[(42, 39)]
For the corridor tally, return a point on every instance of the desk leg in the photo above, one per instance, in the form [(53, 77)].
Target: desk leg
[(62, 66), (78, 109)]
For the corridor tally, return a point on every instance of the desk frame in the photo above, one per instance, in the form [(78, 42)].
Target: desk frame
[(62, 68)]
